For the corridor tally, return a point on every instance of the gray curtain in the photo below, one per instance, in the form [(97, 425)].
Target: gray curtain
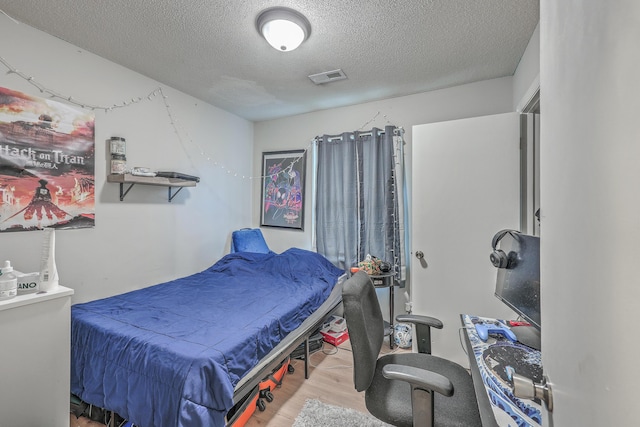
[(359, 202)]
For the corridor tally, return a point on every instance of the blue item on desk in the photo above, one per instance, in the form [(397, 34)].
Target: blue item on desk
[(492, 365), (485, 328)]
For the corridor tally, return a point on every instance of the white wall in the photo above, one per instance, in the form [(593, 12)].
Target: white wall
[(590, 205), (526, 79), (471, 100), (296, 132), (143, 240)]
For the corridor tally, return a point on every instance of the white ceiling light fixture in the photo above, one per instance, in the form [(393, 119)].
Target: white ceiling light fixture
[(283, 28)]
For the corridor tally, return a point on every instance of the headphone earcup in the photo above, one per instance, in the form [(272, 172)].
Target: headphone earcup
[(499, 259)]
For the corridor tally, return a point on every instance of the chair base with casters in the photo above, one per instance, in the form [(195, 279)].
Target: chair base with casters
[(404, 389)]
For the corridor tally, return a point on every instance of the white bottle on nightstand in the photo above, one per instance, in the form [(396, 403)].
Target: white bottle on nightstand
[(48, 270), (8, 282)]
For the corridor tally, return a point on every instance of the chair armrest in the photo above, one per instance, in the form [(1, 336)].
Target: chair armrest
[(416, 319), (419, 377), (423, 325)]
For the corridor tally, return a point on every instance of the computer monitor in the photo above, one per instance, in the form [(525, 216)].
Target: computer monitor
[(518, 285)]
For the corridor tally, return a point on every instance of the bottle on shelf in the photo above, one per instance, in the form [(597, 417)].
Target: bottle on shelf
[(8, 282)]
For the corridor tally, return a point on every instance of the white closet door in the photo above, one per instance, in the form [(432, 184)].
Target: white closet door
[(465, 188)]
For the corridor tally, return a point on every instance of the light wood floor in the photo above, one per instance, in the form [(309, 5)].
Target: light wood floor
[(330, 381)]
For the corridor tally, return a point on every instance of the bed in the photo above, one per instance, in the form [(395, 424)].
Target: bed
[(182, 353)]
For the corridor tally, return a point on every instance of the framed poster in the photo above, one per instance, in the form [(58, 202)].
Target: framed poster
[(283, 175), (47, 152)]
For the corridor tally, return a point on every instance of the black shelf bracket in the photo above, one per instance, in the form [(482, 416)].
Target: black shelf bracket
[(124, 193), (174, 194)]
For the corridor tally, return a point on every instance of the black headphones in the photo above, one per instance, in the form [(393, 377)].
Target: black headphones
[(498, 257), (385, 267)]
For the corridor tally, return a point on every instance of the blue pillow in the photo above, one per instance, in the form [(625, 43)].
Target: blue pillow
[(249, 240)]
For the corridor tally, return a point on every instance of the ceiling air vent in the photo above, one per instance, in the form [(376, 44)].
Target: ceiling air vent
[(328, 77)]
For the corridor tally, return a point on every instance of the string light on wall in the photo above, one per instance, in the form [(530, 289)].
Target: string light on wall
[(158, 92), (154, 94), (53, 94), (172, 119)]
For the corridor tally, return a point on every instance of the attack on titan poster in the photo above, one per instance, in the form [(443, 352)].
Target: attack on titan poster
[(47, 164)]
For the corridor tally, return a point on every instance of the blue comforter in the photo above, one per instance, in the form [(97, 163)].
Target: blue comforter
[(171, 354)]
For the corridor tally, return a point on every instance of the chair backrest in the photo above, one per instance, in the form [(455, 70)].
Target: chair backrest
[(365, 325), (248, 240)]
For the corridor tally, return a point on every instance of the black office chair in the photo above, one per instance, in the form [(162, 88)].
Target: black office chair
[(404, 389)]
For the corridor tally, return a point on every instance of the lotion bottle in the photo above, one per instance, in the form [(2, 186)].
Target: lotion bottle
[(48, 271), (8, 282)]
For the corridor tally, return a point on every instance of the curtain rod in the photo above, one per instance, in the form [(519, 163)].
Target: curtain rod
[(396, 131), (333, 138)]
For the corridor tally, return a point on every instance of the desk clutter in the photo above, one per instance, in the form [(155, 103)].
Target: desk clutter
[(494, 327), (498, 355), (372, 265)]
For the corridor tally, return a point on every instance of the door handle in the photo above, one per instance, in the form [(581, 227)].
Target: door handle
[(420, 256), (525, 388)]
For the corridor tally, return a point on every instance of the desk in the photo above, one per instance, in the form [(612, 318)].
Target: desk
[(386, 281), (488, 361)]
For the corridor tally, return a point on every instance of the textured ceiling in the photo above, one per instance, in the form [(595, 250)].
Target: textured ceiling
[(211, 50)]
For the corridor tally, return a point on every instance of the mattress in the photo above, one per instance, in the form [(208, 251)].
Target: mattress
[(172, 354)]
